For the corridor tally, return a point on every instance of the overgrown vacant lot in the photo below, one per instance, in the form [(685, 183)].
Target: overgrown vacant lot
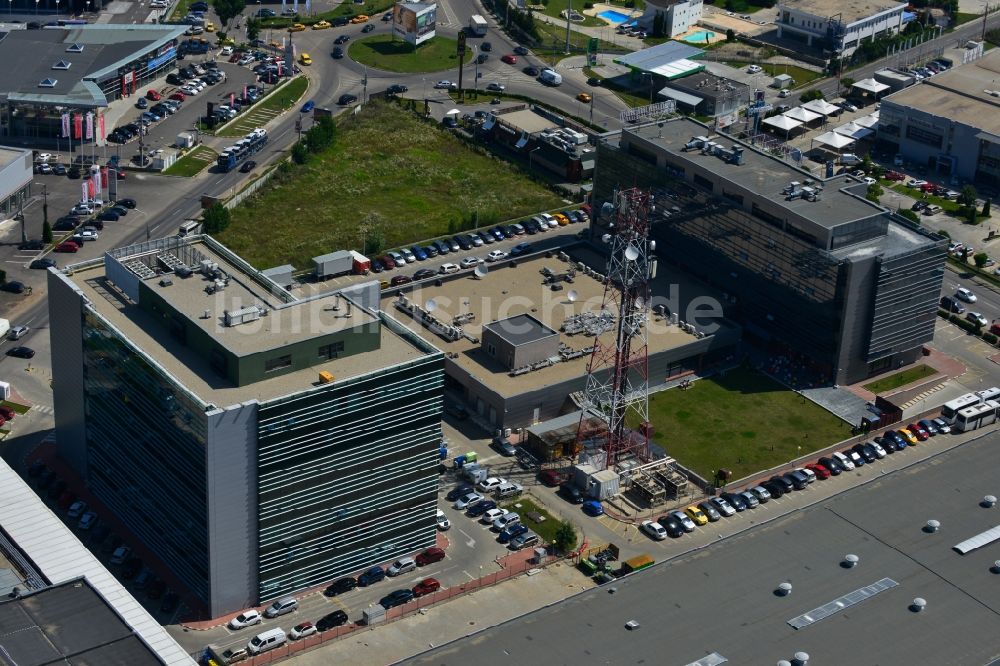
[(389, 171)]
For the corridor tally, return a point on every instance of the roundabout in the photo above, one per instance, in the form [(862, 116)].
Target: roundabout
[(385, 53)]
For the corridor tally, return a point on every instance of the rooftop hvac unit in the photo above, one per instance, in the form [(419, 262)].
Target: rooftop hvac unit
[(241, 316)]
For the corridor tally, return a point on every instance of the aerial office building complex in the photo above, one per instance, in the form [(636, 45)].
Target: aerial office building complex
[(809, 266), (259, 442)]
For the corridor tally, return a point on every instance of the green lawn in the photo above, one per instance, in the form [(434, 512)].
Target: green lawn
[(275, 102), (800, 74), (949, 206), (546, 530), (900, 379), (965, 17), (16, 406), (743, 422), (627, 96), (389, 169), (192, 163), (555, 6), (395, 55)]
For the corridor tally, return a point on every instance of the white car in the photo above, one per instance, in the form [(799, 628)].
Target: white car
[(495, 86), (811, 475), (447, 269), (654, 529), (916, 182), (401, 566), (549, 220), (247, 618), (464, 502), (245, 60), (82, 209), (445, 85), (724, 507), (964, 294), (844, 461), (443, 523), (491, 484), (496, 255), (226, 51), (492, 515), (785, 93), (870, 181), (76, 509), (87, 520), (684, 520), (505, 520), (45, 157), (189, 91), (86, 236), (754, 69), (977, 318), (470, 262), (302, 630)]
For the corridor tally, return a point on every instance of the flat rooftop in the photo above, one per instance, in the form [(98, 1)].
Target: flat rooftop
[(68, 624), (508, 292), (194, 372), (959, 94), (759, 175), (721, 598), (849, 10), (899, 239), (520, 329), (528, 121), (9, 155)]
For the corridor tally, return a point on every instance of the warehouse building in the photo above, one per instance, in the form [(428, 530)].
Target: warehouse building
[(706, 94), (838, 27), (258, 443), (950, 123), (810, 267), (15, 180)]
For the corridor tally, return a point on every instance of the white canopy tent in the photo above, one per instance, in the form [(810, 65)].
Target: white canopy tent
[(833, 141), (802, 115), (870, 86), (822, 107), (869, 121), (783, 123), (854, 130)]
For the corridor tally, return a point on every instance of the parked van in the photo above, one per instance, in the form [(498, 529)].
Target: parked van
[(267, 640), (509, 490), (282, 606), (932, 209), (189, 227)]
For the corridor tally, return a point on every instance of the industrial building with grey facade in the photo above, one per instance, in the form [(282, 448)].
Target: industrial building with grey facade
[(257, 442), (950, 123), (811, 269)]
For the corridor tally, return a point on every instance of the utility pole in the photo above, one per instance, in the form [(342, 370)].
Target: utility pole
[(20, 215), (986, 13), (364, 81), (569, 13), (45, 207)]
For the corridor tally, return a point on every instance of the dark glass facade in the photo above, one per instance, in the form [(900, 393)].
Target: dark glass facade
[(347, 475), (906, 297), (146, 452)]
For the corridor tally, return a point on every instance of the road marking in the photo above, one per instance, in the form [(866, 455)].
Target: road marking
[(471, 543)]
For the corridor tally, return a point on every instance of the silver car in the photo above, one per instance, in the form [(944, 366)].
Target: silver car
[(724, 507)]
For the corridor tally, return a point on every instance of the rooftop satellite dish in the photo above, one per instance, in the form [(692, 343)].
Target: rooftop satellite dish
[(640, 303), (631, 252), (607, 208), (572, 295), (606, 238), (481, 271), (430, 305)]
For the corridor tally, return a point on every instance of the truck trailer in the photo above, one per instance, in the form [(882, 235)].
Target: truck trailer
[(477, 26), (550, 77)]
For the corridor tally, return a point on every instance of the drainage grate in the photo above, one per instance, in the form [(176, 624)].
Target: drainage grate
[(713, 659), (840, 603)]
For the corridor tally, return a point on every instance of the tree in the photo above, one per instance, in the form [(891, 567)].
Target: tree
[(911, 215), (964, 255), (215, 219), (46, 232), (227, 10), (299, 152), (847, 82), (658, 24), (980, 258), (986, 208), (874, 192), (968, 196), (943, 233), (321, 135), (565, 539), (730, 35), (253, 28)]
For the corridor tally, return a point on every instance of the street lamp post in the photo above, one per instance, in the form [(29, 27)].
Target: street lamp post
[(36, 7), (531, 154)]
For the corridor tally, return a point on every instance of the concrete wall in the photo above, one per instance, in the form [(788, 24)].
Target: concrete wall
[(231, 482), (14, 178), (66, 342), (913, 130)]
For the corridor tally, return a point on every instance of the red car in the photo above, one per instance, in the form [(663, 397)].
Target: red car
[(429, 556), (153, 95), (426, 586), (388, 262), (918, 432), (928, 187), (551, 477), (6, 412), (400, 279), (895, 175), (68, 246), (822, 473), (510, 59), (179, 96)]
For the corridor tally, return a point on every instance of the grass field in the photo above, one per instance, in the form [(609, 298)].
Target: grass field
[(555, 6), (406, 184), (743, 422), (800, 74), (192, 163), (395, 55), (546, 530), (274, 103), (900, 379)]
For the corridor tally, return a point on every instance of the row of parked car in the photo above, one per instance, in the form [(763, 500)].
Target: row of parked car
[(88, 525), (507, 524)]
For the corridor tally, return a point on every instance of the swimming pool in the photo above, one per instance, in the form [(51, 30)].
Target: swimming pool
[(613, 16), (700, 37)]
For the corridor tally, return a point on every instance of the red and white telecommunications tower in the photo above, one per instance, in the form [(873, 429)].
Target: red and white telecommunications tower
[(617, 391)]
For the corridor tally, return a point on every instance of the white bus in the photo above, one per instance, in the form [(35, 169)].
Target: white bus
[(989, 394), (977, 416), (950, 409)]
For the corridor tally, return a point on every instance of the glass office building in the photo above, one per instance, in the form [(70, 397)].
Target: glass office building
[(318, 460)]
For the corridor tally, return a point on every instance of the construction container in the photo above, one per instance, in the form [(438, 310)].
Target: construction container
[(637, 563), (325, 377)]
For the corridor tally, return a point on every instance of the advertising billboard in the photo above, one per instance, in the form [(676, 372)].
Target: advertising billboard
[(414, 21)]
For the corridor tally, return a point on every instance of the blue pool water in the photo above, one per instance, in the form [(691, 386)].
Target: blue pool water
[(613, 16), (699, 37)]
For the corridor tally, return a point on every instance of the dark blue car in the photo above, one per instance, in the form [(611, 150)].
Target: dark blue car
[(397, 598), (373, 575), (479, 509), (508, 533), (308, 106), (418, 252), (592, 508)]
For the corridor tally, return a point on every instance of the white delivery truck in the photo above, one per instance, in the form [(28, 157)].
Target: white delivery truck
[(4, 327), (550, 77), (477, 26)]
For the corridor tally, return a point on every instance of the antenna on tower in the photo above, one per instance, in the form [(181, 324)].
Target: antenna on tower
[(617, 389)]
